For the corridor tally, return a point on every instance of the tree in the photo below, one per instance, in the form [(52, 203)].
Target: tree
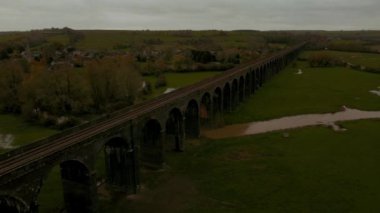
[(57, 92), (323, 60), (11, 77), (181, 62), (202, 56), (113, 81)]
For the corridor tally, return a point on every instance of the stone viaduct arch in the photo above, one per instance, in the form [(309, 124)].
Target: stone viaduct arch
[(11, 204), (192, 124), (77, 186), (205, 109), (248, 85), (217, 100), (152, 144), (175, 130), (227, 97), (234, 94), (241, 88), (120, 164)]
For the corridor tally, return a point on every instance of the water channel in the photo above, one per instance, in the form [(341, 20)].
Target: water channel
[(291, 122)]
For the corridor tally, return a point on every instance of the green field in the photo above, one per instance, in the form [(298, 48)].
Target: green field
[(365, 59), (317, 90), (63, 39), (313, 170), (22, 131), (5, 37)]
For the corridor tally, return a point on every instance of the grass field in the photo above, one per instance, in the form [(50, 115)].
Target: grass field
[(365, 59), (5, 37), (22, 131), (317, 90), (313, 170), (62, 39)]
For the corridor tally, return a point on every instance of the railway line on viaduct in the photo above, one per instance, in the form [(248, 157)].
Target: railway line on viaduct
[(130, 138)]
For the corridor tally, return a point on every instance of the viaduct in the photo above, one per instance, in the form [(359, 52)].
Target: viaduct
[(129, 139)]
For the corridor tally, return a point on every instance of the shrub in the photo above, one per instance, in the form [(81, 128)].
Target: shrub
[(202, 56), (48, 120), (323, 60)]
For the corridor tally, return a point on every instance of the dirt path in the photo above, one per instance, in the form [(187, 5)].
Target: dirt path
[(291, 122)]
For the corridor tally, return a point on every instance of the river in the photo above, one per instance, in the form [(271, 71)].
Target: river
[(291, 122)]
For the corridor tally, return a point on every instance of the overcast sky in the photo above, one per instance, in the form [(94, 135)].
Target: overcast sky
[(190, 14)]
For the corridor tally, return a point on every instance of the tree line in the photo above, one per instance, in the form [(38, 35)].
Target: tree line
[(47, 95)]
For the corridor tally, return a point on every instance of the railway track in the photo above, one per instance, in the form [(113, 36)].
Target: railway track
[(33, 154)]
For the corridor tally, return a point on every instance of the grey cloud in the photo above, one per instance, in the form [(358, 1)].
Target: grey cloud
[(195, 14)]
